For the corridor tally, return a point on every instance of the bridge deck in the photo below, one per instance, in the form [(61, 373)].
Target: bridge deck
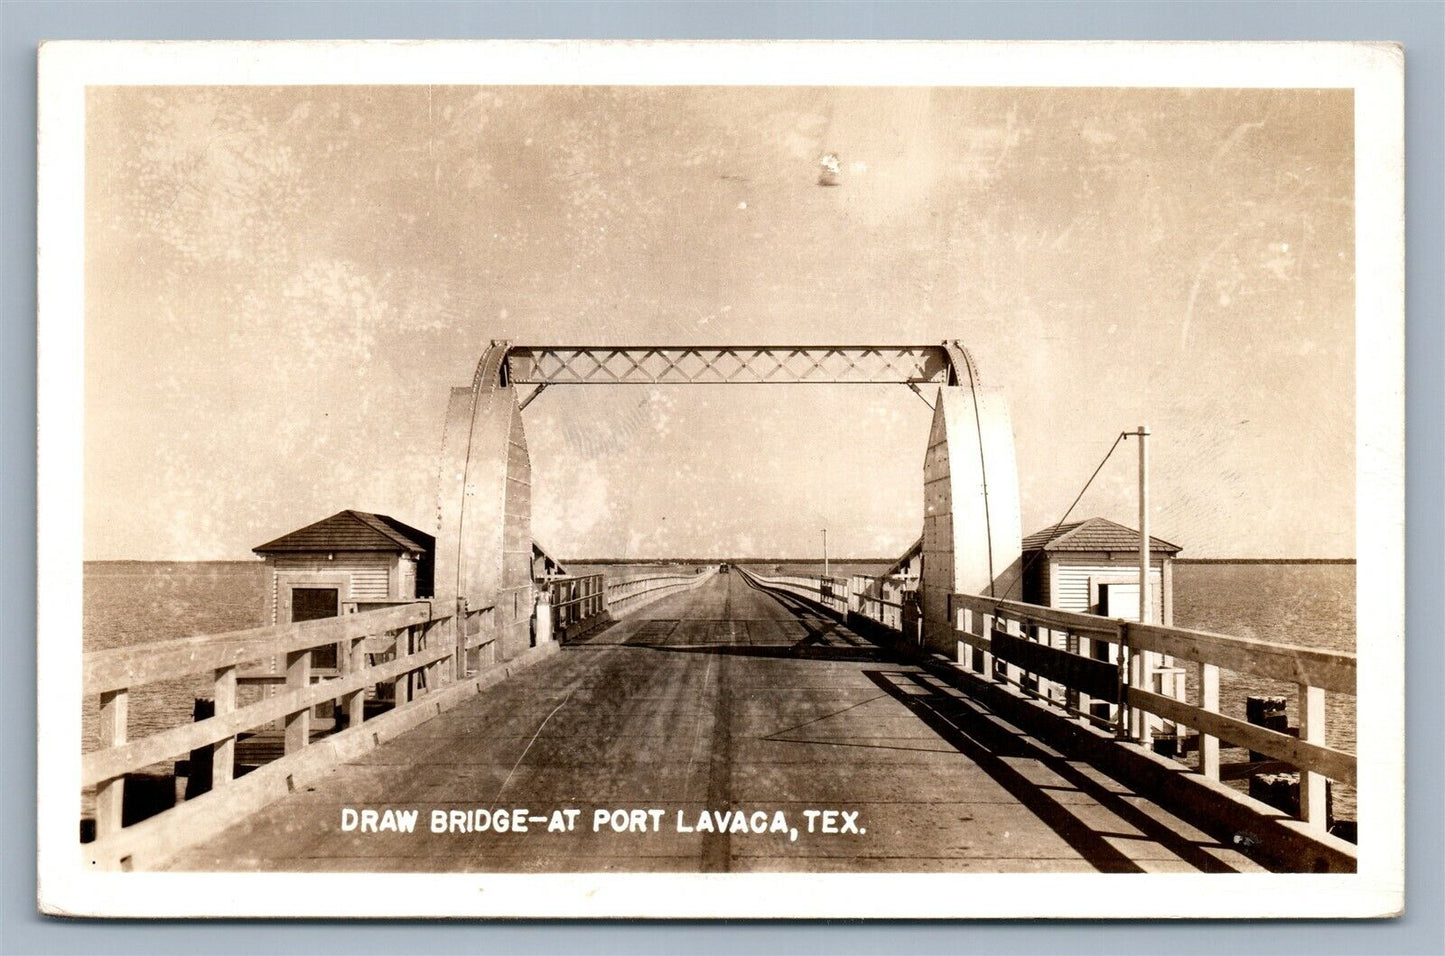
[(725, 697)]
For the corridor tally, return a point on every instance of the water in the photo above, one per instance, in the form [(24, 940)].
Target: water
[(129, 603), (132, 603), (1308, 604)]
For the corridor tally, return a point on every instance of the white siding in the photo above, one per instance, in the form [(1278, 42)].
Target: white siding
[(370, 584), (406, 577), (369, 575), (1071, 583)]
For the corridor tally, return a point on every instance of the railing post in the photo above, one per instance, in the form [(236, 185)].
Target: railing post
[(988, 621), (1120, 656), (405, 681), (223, 754), (542, 614), (975, 654), (433, 671), (461, 666), (1209, 700), (356, 700), (1076, 699), (1313, 802), (1013, 672), (110, 794), (298, 677), (962, 621), (1045, 636), (1139, 728)]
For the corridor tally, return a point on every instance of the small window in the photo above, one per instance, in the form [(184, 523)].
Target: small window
[(310, 604)]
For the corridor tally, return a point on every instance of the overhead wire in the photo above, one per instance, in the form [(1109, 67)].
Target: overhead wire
[(1023, 568)]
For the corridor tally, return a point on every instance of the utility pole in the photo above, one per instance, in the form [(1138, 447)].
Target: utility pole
[(825, 552), (1146, 606), (1142, 662)]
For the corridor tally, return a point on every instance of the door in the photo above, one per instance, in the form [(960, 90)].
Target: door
[(1121, 600), (311, 604)]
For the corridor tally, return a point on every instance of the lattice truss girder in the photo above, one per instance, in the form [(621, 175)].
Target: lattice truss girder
[(607, 365)]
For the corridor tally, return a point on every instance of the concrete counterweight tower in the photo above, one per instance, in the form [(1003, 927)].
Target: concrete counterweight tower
[(484, 537), (972, 535), (971, 531)]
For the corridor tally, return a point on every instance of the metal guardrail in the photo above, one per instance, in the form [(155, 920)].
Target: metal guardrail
[(428, 645)]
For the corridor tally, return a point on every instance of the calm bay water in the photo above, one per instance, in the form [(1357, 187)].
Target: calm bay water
[(1307, 604), (132, 603)]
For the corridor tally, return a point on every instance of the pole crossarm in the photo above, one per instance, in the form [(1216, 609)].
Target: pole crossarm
[(729, 365)]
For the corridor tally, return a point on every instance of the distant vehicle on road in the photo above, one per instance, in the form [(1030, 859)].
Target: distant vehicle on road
[(723, 568)]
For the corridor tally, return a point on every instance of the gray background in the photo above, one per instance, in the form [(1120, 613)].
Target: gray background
[(1420, 26)]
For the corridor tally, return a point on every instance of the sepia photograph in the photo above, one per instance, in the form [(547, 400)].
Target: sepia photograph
[(721, 479)]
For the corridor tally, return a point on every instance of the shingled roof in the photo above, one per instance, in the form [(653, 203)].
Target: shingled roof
[(1093, 534), (353, 531)]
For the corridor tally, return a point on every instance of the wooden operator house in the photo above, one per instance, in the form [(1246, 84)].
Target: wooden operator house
[(1092, 566), (351, 560)]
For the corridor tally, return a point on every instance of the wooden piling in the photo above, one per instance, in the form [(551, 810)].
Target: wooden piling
[(1266, 712), (199, 775)]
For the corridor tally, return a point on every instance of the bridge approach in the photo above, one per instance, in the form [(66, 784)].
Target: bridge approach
[(964, 730)]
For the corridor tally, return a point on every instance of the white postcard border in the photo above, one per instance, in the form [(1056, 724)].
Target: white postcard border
[(1373, 71)]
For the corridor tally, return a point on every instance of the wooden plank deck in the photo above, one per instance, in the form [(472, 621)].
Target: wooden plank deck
[(725, 698)]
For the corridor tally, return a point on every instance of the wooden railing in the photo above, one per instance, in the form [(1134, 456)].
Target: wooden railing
[(1079, 661), (426, 645), (577, 600), (830, 592), (631, 594), (1125, 676), (880, 600)]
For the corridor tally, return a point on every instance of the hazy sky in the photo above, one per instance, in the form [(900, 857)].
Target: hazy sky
[(283, 283)]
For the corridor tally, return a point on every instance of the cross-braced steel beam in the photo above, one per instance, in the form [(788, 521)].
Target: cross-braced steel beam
[(730, 365)]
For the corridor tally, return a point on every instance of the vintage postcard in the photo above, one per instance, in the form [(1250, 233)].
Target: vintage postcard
[(766, 479)]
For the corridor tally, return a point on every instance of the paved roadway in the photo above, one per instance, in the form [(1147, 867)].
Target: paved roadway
[(724, 698)]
